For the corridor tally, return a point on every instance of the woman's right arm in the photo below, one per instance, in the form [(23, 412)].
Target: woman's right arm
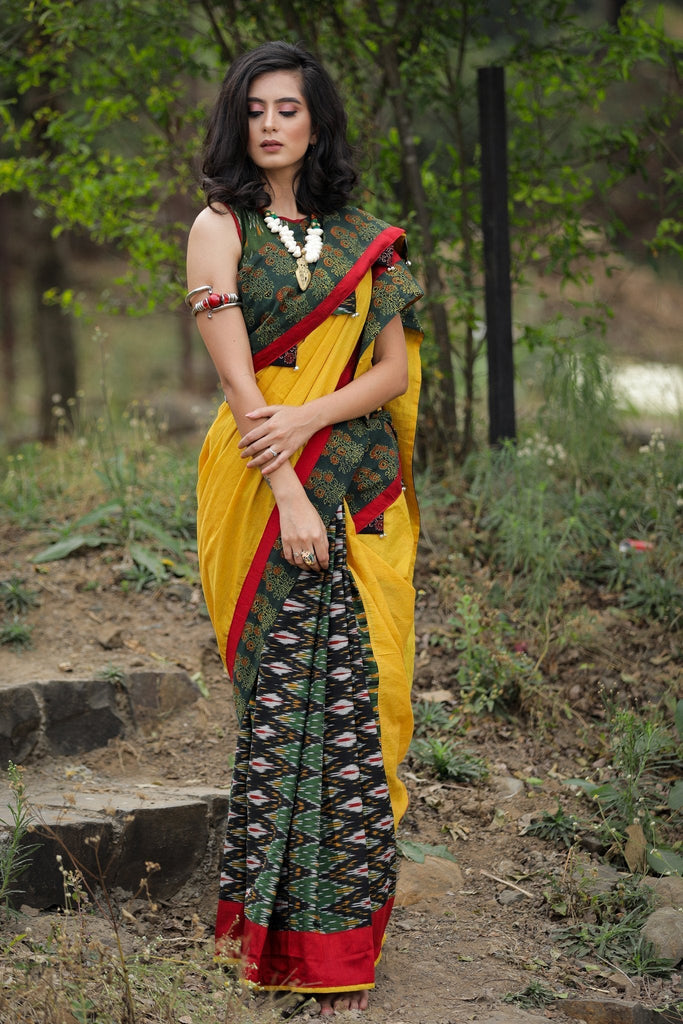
[(213, 255)]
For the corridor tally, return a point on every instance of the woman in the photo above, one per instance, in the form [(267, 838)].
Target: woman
[(307, 526)]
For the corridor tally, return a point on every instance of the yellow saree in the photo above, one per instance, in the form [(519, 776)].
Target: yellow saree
[(286, 907)]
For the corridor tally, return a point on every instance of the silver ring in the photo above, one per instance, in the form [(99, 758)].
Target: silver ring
[(273, 452)]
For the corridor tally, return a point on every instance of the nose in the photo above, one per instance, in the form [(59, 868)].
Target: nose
[(268, 122)]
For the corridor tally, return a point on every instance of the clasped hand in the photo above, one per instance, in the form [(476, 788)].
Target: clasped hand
[(283, 429), (280, 429)]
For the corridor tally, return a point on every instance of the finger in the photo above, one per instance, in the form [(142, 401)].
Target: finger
[(252, 437), (310, 559), (263, 411), (297, 558), (269, 463)]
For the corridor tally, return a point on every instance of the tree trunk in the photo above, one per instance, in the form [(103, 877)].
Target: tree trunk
[(52, 331), (446, 425), (8, 334), (613, 11)]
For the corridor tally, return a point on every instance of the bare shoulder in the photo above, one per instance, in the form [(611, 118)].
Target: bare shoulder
[(214, 246), (215, 224)]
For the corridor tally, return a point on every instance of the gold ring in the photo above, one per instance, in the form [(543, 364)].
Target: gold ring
[(307, 557)]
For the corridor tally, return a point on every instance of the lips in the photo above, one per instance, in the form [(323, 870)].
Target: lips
[(271, 146)]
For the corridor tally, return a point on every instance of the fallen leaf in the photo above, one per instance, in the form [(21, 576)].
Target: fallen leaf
[(635, 849), (437, 696)]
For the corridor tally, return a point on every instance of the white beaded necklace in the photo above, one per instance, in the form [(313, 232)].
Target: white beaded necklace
[(313, 244)]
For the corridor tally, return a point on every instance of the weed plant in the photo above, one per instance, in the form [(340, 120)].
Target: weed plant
[(16, 597), (608, 926), (110, 485), (15, 852), (562, 503), (436, 747), (431, 717), (492, 678), (84, 969), (448, 760), (536, 994), (559, 827), (15, 634), (643, 785)]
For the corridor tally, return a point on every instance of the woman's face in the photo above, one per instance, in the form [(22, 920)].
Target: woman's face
[(280, 129)]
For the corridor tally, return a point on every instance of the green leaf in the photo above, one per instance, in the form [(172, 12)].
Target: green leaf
[(418, 851), (589, 788), (665, 861), (99, 515), (151, 529), (676, 795), (66, 547), (147, 560)]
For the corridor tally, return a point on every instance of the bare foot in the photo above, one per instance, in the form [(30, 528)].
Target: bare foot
[(330, 1002)]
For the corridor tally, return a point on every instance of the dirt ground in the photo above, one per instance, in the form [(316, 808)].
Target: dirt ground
[(466, 934)]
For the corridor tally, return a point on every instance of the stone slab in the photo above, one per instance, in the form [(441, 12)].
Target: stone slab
[(20, 724), (81, 715), (112, 834), (158, 694), (615, 1011), (65, 717)]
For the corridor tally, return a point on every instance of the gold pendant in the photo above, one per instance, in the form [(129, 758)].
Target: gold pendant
[(303, 274)]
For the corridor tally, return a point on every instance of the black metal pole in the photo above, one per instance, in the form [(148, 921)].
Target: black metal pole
[(494, 203)]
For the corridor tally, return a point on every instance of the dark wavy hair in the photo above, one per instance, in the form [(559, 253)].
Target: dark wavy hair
[(230, 176)]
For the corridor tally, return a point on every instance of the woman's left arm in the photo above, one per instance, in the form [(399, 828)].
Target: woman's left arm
[(286, 428)]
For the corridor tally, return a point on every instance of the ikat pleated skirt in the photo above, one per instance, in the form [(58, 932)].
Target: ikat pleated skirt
[(308, 870)]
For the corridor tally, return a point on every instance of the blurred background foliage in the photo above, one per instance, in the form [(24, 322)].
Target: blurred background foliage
[(102, 107)]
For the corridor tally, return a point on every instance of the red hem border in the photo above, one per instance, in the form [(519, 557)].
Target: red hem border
[(301, 961)]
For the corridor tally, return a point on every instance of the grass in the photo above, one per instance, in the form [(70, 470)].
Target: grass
[(523, 552), (608, 927), (116, 485), (15, 634)]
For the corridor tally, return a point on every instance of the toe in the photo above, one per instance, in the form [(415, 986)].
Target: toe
[(326, 1008)]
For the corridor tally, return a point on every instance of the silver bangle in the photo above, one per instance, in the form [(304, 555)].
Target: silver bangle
[(212, 302)]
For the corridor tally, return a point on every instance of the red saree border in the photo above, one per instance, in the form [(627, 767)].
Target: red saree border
[(303, 469), (340, 961), (342, 290), (379, 504)]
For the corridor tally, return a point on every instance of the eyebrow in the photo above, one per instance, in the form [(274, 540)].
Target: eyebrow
[(283, 99)]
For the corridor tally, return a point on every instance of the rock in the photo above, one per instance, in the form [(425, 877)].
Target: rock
[(172, 834), (596, 879), (668, 890), (508, 869), (507, 787), (592, 843), (664, 929), (509, 896), (437, 696), (20, 724), (87, 841), (81, 715), (110, 636), (431, 880), (122, 830), (610, 1011), (153, 694)]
